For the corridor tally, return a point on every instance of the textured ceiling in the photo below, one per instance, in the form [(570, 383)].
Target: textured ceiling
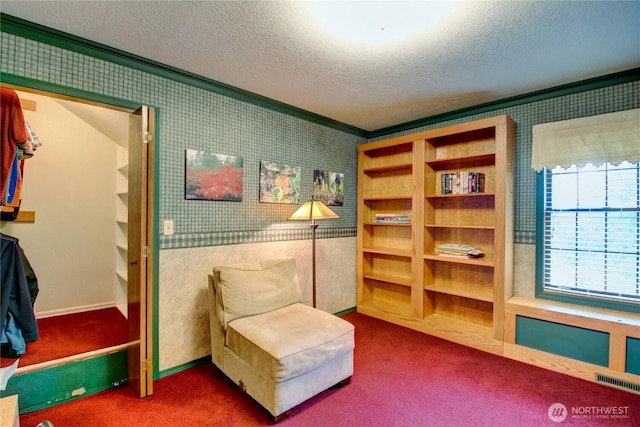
[(480, 52)]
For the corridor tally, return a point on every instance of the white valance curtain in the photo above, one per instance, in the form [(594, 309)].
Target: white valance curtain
[(613, 137)]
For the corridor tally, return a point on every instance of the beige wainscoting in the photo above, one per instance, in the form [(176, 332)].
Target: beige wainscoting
[(183, 311)]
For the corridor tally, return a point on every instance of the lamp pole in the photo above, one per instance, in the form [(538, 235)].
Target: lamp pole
[(314, 226), (306, 212)]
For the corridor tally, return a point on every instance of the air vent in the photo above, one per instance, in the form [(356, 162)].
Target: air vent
[(618, 383)]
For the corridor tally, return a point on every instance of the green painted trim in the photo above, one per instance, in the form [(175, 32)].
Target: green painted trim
[(633, 356), (48, 387), (29, 30), (554, 92), (540, 234), (564, 340), (185, 366), (347, 311), (40, 85), (155, 303), (556, 296)]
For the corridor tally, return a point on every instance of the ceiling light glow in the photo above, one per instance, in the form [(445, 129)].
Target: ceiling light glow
[(379, 22)]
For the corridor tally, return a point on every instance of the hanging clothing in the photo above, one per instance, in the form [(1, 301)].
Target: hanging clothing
[(17, 317), (14, 132)]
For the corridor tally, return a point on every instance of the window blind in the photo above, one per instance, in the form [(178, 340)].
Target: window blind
[(613, 138)]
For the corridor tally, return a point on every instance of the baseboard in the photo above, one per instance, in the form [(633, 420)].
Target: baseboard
[(72, 310), (183, 367), (347, 311), (564, 365), (58, 384)]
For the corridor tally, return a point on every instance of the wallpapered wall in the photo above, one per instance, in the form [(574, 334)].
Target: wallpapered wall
[(598, 101), (193, 118)]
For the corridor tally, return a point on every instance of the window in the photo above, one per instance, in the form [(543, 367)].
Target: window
[(588, 210), (591, 234)]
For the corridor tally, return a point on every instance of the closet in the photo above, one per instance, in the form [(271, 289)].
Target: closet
[(73, 215), (90, 238)]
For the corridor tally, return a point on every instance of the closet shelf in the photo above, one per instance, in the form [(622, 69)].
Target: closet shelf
[(25, 216), (28, 104), (122, 274)]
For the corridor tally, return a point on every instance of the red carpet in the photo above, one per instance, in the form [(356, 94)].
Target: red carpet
[(62, 336), (402, 378)]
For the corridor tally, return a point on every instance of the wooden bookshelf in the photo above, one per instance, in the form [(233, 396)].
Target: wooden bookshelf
[(400, 277)]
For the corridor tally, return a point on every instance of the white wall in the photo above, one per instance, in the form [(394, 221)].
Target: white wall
[(70, 184)]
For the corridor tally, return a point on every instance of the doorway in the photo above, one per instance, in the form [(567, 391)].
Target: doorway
[(97, 283)]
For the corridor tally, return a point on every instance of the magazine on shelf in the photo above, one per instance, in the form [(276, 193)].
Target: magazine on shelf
[(454, 250), (392, 218)]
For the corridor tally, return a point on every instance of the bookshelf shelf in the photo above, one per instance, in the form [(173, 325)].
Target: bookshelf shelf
[(481, 294), (389, 278), (484, 262), (388, 168), (389, 224), (389, 251), (462, 162), (454, 196)]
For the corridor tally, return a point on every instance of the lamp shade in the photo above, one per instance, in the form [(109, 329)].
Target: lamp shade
[(312, 210)]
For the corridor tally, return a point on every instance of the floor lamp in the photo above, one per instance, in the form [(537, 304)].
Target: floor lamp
[(313, 210)]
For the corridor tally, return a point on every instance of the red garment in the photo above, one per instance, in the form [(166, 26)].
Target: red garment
[(14, 132)]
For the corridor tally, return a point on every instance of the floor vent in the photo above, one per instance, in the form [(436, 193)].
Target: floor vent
[(618, 383)]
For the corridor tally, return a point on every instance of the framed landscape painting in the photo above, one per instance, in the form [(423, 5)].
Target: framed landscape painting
[(279, 183), (210, 176), (328, 187)]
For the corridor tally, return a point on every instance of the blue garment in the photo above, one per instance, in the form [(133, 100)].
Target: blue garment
[(12, 335), (15, 301), (14, 178)]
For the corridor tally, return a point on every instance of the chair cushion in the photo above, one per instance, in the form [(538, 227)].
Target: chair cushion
[(257, 287), (290, 341)]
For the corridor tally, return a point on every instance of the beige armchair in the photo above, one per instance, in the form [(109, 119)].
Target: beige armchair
[(279, 351)]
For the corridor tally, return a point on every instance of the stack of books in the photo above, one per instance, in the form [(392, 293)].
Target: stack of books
[(391, 218), (462, 182), (455, 250)]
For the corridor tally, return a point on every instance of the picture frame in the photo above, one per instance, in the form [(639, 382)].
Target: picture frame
[(210, 176), (328, 187), (279, 183)]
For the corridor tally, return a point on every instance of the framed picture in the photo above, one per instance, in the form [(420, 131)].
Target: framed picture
[(210, 176), (328, 187), (279, 183)]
